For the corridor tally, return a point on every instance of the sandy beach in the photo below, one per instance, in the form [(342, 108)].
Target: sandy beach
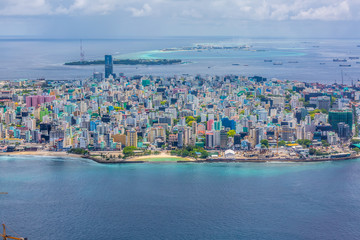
[(40, 153), (147, 158), (162, 155)]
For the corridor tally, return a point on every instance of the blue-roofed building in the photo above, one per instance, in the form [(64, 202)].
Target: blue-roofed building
[(227, 123)]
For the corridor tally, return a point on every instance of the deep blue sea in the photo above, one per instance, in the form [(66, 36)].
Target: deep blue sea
[(54, 198), (24, 58)]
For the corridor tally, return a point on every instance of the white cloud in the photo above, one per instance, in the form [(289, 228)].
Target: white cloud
[(141, 12), (338, 11), (24, 7), (209, 10)]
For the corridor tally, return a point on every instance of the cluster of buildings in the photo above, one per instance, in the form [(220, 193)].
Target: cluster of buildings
[(150, 113)]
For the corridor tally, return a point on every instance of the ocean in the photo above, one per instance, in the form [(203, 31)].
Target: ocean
[(57, 198), (309, 60)]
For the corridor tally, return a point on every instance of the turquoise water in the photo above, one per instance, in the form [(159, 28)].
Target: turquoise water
[(55, 198), (44, 58), (213, 54)]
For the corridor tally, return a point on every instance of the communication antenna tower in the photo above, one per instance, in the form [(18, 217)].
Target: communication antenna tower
[(82, 54)]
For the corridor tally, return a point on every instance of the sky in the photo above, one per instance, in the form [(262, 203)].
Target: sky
[(152, 18)]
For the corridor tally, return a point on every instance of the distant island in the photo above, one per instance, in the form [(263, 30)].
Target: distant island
[(201, 47), (128, 62)]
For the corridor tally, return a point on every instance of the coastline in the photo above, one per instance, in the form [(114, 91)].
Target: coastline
[(159, 158), (174, 159), (40, 153)]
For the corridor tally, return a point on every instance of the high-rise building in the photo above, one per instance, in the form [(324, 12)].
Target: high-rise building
[(287, 133), (254, 137), (217, 125), (323, 102), (344, 130), (108, 66), (180, 139), (338, 116), (194, 128), (131, 138), (209, 137), (237, 141), (210, 125), (223, 139)]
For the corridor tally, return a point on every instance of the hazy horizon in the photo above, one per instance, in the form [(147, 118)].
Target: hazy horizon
[(176, 18)]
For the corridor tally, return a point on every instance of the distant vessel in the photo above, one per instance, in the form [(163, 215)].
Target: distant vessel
[(277, 63), (352, 58), (267, 60), (235, 64), (345, 65), (357, 62), (293, 62), (339, 60)]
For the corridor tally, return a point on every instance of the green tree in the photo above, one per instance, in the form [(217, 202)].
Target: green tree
[(312, 151), (190, 123), (204, 154), (79, 151), (282, 143), (304, 142), (129, 151), (231, 133), (323, 110), (325, 143), (189, 119), (357, 150), (265, 142)]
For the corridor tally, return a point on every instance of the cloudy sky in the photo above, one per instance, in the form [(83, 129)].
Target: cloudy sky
[(124, 18)]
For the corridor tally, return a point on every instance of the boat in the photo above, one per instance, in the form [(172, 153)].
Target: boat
[(5, 236), (340, 155), (353, 58), (235, 64), (293, 62), (277, 63), (345, 65), (267, 60), (339, 60)]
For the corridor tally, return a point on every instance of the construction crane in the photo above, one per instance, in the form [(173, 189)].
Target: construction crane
[(6, 237)]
